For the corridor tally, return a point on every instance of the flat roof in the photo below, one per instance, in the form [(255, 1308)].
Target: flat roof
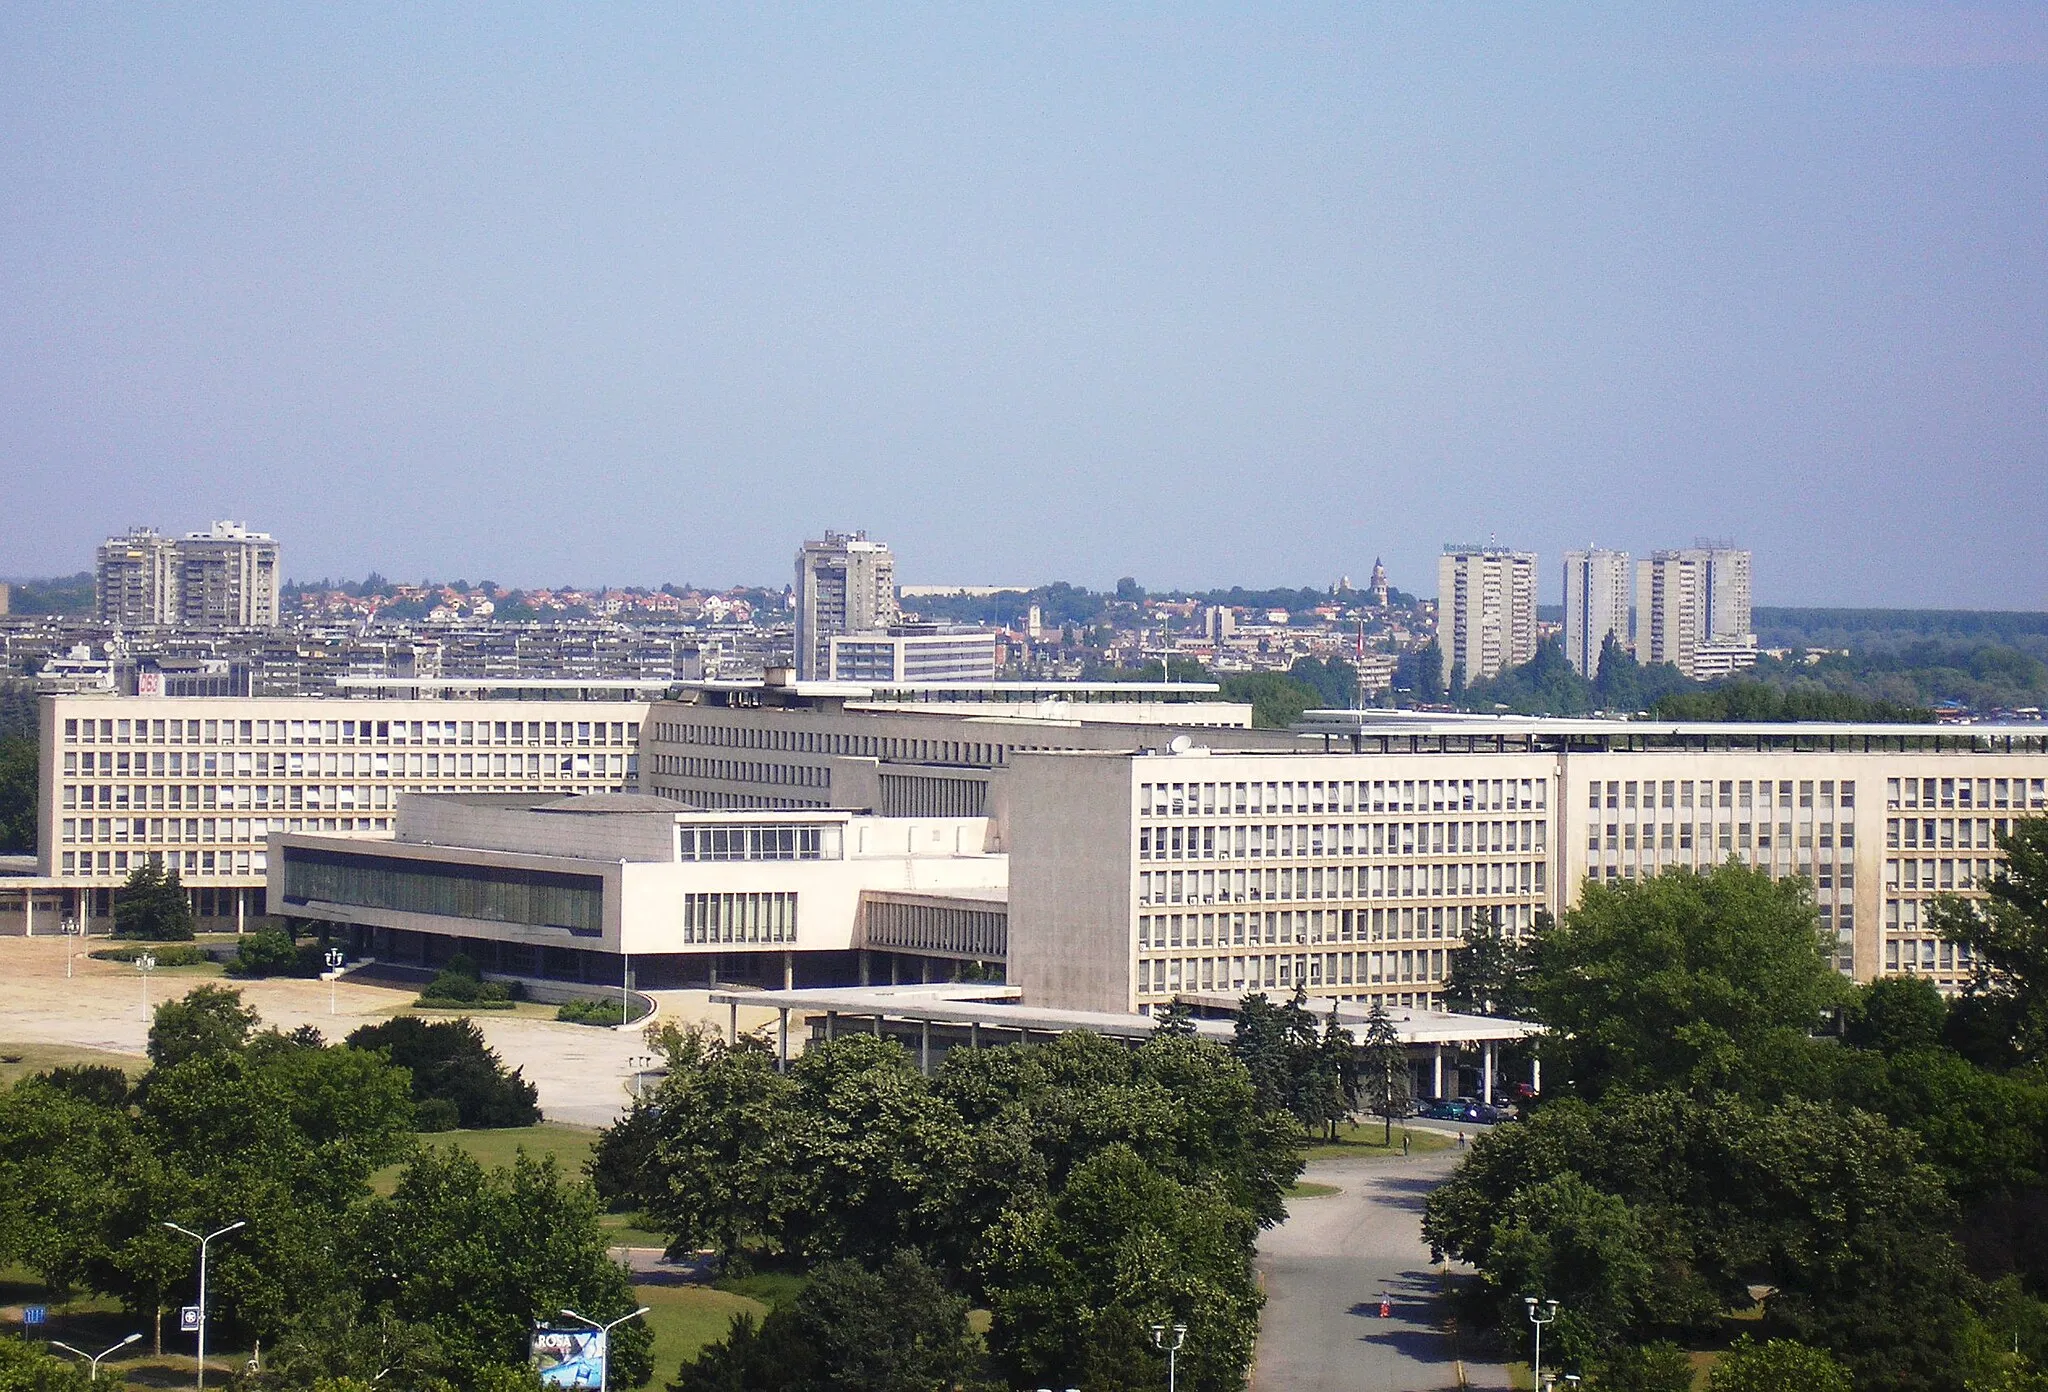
[(1462, 723), (1003, 1007)]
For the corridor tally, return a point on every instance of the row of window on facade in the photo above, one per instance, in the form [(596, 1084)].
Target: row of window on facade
[(1160, 932), (1273, 841), (832, 742), (768, 917), (1951, 793), (1936, 875), (1926, 955), (1342, 795), (1733, 794), (1284, 971), (1727, 835), (801, 841), (121, 764), (744, 771), (1489, 879), (484, 732), (175, 797)]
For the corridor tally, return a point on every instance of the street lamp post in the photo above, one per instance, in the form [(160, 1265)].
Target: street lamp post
[(1171, 1350), (94, 1358), (334, 961), (604, 1367), (69, 928), (1549, 1313), (145, 964), (203, 1241)]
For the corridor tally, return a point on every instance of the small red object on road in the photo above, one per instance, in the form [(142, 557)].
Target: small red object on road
[(1386, 1308)]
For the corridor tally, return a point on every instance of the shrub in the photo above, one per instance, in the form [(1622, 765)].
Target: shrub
[(450, 1062), (1778, 1366), (167, 955), (459, 983), (99, 1083), (271, 952), (435, 1114), (606, 1011)]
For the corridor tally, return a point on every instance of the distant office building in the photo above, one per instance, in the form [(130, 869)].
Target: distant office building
[(1693, 611), (844, 584), (1486, 609), (135, 580), (915, 653), (226, 577), (1596, 596), (6, 597)]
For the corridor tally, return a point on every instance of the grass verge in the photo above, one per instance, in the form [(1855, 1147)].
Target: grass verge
[(1309, 1189), (19, 1060), (570, 1145), (1366, 1141), (686, 1318)]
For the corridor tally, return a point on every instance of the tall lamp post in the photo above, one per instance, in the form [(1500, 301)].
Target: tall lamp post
[(145, 964), (69, 928), (203, 1241), (1171, 1349), (1548, 1313), (604, 1367), (94, 1358), (334, 961)]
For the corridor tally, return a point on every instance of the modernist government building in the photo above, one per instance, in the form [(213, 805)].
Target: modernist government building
[(1103, 848)]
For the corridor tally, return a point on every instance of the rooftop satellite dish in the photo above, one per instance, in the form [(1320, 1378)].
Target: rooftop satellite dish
[(1179, 744)]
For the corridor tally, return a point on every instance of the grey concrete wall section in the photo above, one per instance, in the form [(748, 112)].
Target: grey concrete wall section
[(610, 836), (1070, 880)]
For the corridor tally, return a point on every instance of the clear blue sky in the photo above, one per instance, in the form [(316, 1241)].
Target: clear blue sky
[(1201, 295)]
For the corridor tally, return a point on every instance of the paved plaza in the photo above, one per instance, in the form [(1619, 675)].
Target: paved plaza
[(581, 1073)]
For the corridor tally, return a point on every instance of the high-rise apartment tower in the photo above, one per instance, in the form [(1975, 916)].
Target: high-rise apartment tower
[(1485, 609), (1693, 610), (1596, 596), (226, 577), (844, 584)]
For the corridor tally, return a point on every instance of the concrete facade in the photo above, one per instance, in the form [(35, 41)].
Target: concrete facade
[(1485, 610), (1596, 604), (1693, 610), (844, 584)]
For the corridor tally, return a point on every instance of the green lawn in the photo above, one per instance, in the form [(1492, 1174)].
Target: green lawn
[(1364, 1142), (1311, 1190), (20, 1060), (570, 1145), (686, 1318)]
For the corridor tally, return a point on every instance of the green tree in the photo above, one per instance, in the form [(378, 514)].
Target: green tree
[(2007, 934), (1277, 702), (151, 905), (453, 1069), (1703, 980), (874, 1165), (18, 781), (26, 1368), (1564, 1240), (1897, 1014), (1073, 1277), (1657, 1367), (207, 1019), (1777, 1366), (1383, 1068), (477, 1256), (1489, 975)]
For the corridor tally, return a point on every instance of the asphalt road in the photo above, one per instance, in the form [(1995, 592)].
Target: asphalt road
[(1325, 1270)]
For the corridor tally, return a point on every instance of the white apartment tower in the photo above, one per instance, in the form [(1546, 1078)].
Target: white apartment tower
[(135, 579), (1693, 610), (1596, 598), (1485, 609), (844, 584), (226, 577)]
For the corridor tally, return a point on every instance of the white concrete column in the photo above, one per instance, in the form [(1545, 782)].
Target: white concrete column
[(1536, 1075), (1486, 1053), (28, 913), (1436, 1071), (241, 908), (924, 1047), (788, 980)]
